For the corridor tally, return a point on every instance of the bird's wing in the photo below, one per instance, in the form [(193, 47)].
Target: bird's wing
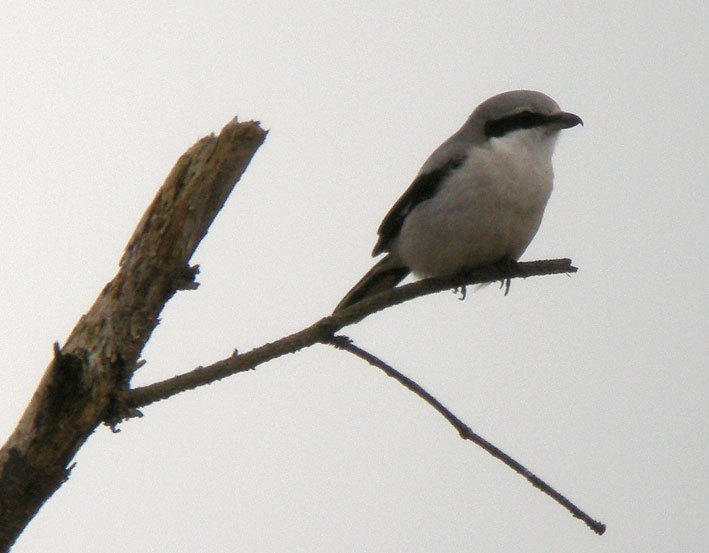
[(421, 189)]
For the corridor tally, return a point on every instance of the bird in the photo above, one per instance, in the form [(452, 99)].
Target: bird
[(477, 200)]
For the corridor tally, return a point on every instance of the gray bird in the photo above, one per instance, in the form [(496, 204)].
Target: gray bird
[(478, 199)]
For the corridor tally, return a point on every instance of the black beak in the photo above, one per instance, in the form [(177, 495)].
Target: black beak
[(564, 120)]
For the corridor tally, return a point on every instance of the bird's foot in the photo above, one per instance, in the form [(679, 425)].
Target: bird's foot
[(511, 266)]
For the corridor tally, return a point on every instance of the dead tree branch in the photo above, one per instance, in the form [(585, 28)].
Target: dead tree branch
[(344, 343), (80, 385), (323, 330)]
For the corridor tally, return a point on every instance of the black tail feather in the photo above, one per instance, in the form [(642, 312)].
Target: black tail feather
[(383, 276)]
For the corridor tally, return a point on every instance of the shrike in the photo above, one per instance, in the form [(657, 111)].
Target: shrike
[(478, 199)]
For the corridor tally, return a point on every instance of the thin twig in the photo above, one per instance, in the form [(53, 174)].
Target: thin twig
[(344, 343), (321, 332)]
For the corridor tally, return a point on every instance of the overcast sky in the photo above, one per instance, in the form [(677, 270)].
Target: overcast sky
[(597, 382)]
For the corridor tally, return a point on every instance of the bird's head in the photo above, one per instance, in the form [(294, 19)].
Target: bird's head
[(517, 110)]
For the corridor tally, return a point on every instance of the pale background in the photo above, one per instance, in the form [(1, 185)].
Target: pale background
[(597, 382)]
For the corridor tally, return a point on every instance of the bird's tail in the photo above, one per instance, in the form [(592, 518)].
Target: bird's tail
[(384, 275)]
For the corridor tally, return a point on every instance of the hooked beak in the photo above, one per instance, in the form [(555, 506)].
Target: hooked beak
[(564, 120)]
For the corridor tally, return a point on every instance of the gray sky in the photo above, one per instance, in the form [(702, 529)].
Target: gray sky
[(597, 382)]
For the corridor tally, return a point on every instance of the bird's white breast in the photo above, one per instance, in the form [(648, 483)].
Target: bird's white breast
[(487, 210)]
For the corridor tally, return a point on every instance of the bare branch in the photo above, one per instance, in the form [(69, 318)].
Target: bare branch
[(78, 388), (323, 331), (344, 343)]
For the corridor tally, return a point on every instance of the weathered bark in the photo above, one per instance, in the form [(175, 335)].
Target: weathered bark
[(78, 389)]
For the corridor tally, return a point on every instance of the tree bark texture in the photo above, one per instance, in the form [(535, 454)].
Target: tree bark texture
[(78, 389)]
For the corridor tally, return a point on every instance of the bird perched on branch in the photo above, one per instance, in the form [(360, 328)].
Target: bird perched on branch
[(477, 200)]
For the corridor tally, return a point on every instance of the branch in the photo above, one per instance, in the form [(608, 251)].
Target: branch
[(323, 330), (344, 343), (78, 389)]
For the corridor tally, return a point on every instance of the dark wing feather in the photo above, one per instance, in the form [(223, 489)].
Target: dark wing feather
[(421, 189)]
